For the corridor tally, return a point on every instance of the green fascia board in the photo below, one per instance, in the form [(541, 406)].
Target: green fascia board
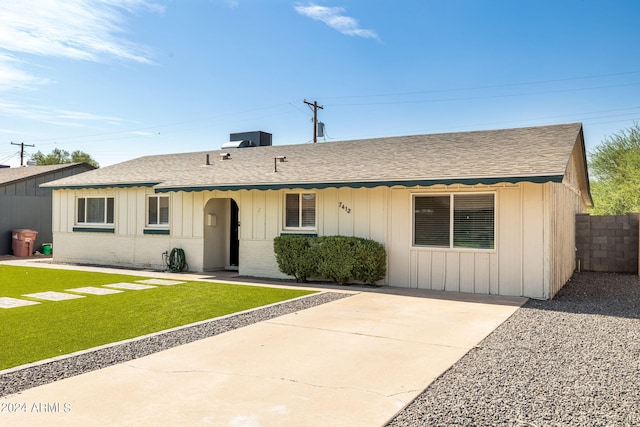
[(540, 179), (100, 186)]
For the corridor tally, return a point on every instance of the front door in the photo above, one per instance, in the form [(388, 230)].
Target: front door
[(234, 236)]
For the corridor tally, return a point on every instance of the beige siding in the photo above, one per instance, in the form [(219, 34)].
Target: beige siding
[(534, 253), (561, 246), (515, 267), (533, 240), (509, 240), (128, 246)]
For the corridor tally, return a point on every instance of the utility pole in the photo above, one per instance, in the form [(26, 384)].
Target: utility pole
[(315, 107), (22, 145)]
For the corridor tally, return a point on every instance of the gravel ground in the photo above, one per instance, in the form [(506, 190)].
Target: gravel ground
[(23, 379), (574, 360)]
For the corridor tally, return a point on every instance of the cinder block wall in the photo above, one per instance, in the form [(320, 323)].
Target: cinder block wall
[(607, 243)]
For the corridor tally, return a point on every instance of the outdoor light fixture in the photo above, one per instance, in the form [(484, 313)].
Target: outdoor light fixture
[(277, 159)]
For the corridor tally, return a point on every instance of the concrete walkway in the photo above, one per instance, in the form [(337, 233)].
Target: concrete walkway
[(353, 362)]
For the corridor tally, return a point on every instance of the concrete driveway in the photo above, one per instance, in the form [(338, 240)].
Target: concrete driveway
[(355, 361)]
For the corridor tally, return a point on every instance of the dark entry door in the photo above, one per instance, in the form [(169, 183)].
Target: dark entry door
[(234, 239)]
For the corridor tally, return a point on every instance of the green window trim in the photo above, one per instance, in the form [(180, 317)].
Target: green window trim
[(159, 231), (93, 230)]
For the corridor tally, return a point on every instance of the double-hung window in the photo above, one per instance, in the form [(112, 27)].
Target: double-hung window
[(94, 210), (300, 211), (454, 220), (158, 211)]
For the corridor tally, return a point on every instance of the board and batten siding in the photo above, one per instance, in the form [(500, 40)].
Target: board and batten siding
[(345, 211), (514, 267), (533, 256), (127, 245)]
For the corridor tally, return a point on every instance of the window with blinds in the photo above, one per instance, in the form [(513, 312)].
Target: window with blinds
[(473, 221), (432, 216), (300, 210), (454, 221)]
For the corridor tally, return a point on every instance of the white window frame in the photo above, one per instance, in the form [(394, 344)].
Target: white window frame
[(300, 227), (452, 221), (84, 222), (148, 205)]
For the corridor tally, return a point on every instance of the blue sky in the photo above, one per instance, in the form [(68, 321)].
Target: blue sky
[(123, 79)]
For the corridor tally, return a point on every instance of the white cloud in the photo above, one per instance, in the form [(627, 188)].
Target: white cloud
[(335, 18), (54, 116), (13, 77), (88, 30)]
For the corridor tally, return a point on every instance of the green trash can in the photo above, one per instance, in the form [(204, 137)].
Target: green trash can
[(46, 248)]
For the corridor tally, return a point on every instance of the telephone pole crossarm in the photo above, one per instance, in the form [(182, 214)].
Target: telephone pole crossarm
[(22, 145)]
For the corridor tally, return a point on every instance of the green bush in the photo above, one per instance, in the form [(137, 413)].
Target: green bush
[(370, 261), (337, 258), (296, 256)]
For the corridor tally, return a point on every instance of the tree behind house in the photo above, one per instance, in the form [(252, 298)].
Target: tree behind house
[(57, 157), (614, 166)]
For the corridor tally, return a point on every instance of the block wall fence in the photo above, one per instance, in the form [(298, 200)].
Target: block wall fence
[(607, 243)]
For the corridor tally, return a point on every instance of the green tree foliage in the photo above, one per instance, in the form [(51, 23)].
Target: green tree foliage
[(57, 157), (614, 166)]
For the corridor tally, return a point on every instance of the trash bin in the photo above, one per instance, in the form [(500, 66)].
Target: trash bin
[(46, 249), (23, 241)]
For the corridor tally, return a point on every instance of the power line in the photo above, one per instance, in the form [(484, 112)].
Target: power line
[(472, 98), (535, 82)]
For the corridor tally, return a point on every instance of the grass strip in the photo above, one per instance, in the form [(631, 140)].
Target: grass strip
[(54, 328)]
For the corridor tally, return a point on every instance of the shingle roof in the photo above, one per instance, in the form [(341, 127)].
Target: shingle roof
[(10, 175), (537, 154)]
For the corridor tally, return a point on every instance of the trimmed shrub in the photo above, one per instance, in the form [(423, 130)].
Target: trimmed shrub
[(370, 263), (296, 256), (337, 258)]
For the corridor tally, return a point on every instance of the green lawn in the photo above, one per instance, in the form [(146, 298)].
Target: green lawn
[(53, 328)]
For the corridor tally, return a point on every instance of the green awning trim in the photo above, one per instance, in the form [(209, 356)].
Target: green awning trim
[(98, 186), (367, 184), (540, 179)]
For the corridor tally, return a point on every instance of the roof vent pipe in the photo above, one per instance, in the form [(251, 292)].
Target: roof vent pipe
[(208, 163)]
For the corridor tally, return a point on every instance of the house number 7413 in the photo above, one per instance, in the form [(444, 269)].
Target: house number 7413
[(344, 207)]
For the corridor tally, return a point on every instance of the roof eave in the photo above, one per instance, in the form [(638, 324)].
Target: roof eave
[(100, 186), (536, 179)]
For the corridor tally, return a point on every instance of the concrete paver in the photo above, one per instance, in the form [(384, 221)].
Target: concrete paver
[(8, 302), (129, 286), (355, 361), (53, 296), (92, 290)]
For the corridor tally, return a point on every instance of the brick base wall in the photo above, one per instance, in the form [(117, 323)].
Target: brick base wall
[(607, 243)]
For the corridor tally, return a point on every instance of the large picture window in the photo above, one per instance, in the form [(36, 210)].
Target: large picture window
[(158, 211), (454, 220), (300, 210), (94, 210)]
